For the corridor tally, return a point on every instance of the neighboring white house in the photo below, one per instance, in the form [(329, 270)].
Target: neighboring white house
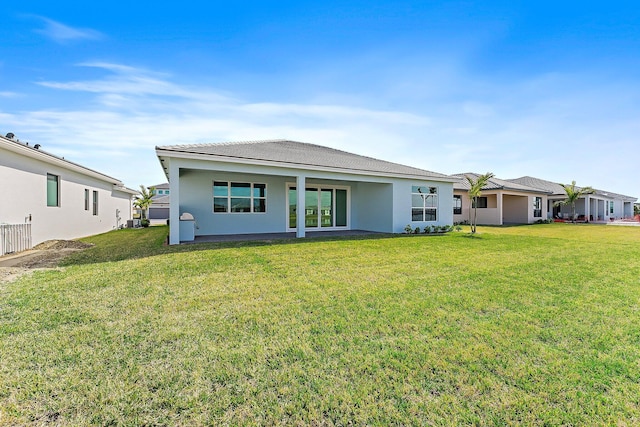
[(159, 209), (59, 198), (597, 207), (261, 186), (501, 202)]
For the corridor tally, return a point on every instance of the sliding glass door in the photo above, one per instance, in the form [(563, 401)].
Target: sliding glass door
[(325, 207)]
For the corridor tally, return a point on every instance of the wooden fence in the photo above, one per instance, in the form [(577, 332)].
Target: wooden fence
[(14, 238)]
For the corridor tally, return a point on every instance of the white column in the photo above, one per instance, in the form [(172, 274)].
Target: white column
[(174, 206), (300, 209), (587, 207), (499, 203)]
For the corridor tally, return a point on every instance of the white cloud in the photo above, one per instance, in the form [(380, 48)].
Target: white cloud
[(61, 33), (545, 127)]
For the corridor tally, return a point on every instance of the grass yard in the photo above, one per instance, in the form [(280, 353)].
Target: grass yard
[(533, 325)]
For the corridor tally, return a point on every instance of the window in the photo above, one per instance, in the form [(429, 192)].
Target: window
[(537, 207), (239, 197), (457, 205), (424, 203), (95, 202), (611, 207), (53, 190), (481, 202), (86, 199)]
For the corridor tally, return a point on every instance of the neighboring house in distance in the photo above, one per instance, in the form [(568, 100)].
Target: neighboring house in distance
[(502, 202), (159, 209), (599, 206), (262, 186), (61, 199)]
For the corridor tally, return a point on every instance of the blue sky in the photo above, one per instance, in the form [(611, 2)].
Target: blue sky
[(548, 89)]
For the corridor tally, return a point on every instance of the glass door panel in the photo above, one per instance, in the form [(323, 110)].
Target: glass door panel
[(293, 205), (341, 208), (326, 207), (311, 207)]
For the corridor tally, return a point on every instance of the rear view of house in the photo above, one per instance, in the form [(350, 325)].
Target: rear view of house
[(600, 206), (58, 198), (502, 202), (284, 186)]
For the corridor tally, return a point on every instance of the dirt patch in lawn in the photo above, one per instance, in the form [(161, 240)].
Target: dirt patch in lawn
[(45, 255)]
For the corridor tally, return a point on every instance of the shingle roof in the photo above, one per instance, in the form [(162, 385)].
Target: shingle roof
[(301, 154), (552, 187), (557, 190), (493, 184)]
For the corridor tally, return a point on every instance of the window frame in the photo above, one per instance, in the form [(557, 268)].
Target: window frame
[(457, 199), (94, 204), (429, 210), (252, 198), (480, 198), (537, 207), (57, 190), (87, 195)]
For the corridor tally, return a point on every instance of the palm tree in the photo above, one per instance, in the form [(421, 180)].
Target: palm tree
[(144, 199), (475, 191), (573, 194)]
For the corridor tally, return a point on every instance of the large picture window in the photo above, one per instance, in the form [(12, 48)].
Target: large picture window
[(53, 190), (457, 205), (424, 203), (239, 197), (537, 207)]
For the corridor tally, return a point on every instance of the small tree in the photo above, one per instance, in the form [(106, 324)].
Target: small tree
[(573, 193), (144, 199), (475, 191)]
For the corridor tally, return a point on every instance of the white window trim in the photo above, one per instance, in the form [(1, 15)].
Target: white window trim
[(229, 197), (290, 185), (437, 207)]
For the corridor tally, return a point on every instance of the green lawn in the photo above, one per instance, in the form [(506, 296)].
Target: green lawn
[(534, 325)]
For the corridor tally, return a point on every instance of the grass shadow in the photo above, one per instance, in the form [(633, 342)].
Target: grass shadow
[(129, 244)]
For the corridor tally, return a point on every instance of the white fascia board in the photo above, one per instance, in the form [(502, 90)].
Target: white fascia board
[(34, 153), (192, 156)]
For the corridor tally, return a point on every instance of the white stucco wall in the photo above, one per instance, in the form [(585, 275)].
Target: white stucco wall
[(23, 188)]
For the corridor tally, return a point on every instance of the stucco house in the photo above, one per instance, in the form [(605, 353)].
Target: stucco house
[(262, 186), (502, 202), (601, 206), (58, 198)]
